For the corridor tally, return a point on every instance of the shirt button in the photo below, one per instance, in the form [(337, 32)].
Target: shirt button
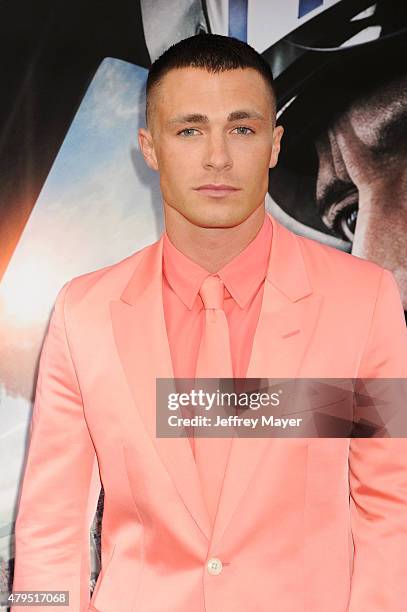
[(214, 566)]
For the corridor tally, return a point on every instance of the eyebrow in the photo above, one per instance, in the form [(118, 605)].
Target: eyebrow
[(199, 118)]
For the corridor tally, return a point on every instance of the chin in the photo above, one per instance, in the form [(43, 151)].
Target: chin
[(218, 219)]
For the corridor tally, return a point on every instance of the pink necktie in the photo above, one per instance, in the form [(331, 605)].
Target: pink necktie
[(214, 361)]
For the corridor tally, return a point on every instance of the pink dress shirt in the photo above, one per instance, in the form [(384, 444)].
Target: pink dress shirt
[(243, 277)]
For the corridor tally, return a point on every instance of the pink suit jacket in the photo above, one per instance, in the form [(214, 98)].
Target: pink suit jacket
[(290, 509)]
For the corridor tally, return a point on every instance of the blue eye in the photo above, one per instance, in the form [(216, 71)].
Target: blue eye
[(187, 130), (242, 127)]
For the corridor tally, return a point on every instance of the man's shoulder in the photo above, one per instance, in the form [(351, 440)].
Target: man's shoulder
[(324, 262), (106, 282), (341, 277), (327, 262)]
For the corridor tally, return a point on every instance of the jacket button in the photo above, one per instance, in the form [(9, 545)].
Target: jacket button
[(214, 566)]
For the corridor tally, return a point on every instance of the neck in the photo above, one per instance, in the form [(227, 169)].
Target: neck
[(211, 248)]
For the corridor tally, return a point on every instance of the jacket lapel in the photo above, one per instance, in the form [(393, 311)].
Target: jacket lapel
[(286, 324), (142, 343)]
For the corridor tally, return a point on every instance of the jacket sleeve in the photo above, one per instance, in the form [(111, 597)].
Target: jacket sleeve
[(60, 486), (378, 473)]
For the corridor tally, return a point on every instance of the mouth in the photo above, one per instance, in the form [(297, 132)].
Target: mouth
[(220, 191)]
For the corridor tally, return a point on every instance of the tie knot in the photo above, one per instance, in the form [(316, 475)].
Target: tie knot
[(212, 292)]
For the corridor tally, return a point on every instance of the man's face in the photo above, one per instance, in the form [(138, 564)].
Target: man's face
[(362, 179), (212, 129)]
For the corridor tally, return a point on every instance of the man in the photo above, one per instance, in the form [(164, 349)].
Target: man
[(277, 533)]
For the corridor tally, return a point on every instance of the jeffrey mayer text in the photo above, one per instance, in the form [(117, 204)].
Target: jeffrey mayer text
[(234, 421)]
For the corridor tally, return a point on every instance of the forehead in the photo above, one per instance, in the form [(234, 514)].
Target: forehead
[(184, 89), (377, 118)]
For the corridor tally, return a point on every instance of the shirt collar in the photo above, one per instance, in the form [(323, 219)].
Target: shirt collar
[(242, 275)]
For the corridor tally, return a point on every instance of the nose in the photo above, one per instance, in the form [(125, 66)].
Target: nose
[(217, 154)]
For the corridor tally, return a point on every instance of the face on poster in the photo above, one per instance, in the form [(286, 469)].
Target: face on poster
[(342, 100), (100, 202)]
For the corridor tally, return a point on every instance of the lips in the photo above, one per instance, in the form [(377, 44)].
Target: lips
[(214, 190)]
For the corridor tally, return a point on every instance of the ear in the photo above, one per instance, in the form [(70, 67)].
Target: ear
[(277, 135), (146, 144)]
